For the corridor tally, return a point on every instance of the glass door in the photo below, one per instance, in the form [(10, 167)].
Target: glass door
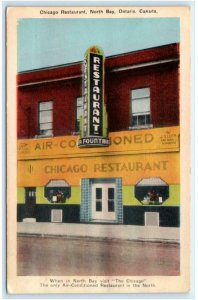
[(103, 201)]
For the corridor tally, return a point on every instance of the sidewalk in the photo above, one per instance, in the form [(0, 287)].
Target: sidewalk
[(126, 232)]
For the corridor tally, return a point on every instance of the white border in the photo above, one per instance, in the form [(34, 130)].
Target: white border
[(195, 139)]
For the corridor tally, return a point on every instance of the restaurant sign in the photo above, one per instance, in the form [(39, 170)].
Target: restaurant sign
[(93, 126)]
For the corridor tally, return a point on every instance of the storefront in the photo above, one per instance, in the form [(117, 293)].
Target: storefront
[(103, 142), (133, 181)]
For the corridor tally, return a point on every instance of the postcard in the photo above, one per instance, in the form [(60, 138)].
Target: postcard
[(98, 150)]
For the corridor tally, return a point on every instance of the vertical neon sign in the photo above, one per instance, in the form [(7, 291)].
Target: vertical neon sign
[(94, 120)]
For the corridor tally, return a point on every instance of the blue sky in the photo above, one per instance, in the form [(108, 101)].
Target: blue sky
[(49, 42)]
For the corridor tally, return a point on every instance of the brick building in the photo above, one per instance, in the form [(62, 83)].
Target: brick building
[(133, 181)]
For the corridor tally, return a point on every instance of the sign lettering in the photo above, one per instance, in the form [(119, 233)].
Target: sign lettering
[(93, 132), (96, 101)]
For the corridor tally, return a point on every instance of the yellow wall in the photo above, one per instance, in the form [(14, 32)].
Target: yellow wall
[(165, 139), (132, 155), (131, 168)]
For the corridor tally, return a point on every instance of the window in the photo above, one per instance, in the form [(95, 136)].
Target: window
[(79, 112), (30, 202), (45, 118), (152, 191), (111, 199), (140, 106), (30, 195), (57, 191), (98, 199)]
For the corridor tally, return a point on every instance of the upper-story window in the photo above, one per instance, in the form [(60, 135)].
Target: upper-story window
[(79, 112), (46, 118), (140, 107)]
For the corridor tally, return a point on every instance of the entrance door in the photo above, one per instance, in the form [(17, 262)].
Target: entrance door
[(30, 202), (103, 201)]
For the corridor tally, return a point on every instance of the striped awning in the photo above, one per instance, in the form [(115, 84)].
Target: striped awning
[(151, 181)]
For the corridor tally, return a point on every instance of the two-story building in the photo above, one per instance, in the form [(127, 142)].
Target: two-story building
[(136, 179)]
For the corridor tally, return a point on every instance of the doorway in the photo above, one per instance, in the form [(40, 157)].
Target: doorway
[(30, 202), (103, 201)]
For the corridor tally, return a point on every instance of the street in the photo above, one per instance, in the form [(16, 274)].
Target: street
[(66, 256)]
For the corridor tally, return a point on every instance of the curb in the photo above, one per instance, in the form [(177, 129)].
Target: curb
[(75, 237)]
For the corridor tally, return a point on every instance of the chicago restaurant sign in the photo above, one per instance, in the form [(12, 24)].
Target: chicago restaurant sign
[(94, 121)]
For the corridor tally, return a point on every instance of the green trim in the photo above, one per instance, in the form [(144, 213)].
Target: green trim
[(75, 196), (104, 129), (81, 124), (174, 196), (128, 197), (21, 195), (40, 199)]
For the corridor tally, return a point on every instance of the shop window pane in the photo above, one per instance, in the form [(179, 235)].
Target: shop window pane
[(111, 193), (98, 193), (98, 205), (111, 205), (151, 191)]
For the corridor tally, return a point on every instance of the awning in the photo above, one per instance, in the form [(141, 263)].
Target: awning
[(57, 183), (152, 181)]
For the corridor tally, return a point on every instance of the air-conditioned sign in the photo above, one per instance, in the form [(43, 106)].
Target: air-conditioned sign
[(94, 121)]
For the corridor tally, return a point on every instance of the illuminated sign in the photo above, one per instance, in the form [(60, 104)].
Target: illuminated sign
[(96, 86), (94, 122)]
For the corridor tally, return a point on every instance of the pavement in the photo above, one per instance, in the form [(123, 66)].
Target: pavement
[(104, 231), (60, 256)]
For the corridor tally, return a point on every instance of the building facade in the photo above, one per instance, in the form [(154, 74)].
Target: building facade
[(136, 179)]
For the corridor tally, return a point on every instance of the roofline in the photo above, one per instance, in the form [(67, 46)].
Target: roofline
[(141, 50), (80, 62), (51, 67), (153, 63)]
